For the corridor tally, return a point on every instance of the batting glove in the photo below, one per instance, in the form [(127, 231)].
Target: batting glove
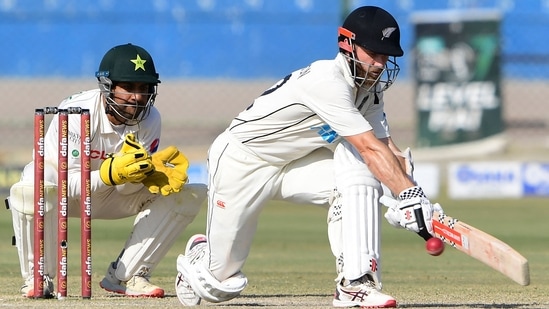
[(413, 212)]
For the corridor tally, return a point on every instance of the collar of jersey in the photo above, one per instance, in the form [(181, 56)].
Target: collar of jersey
[(342, 63)]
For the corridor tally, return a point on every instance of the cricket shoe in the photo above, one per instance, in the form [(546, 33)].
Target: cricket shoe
[(194, 251), (27, 290), (361, 293), (137, 286)]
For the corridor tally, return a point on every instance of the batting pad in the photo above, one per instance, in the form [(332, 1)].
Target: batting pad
[(360, 214), (21, 202), (205, 285), (361, 230), (156, 229)]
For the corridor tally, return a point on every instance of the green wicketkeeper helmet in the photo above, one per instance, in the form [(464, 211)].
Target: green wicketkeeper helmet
[(131, 64), (128, 63)]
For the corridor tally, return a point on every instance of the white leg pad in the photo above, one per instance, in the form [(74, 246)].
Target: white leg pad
[(21, 201), (335, 231), (206, 286), (156, 229), (360, 224), (361, 246)]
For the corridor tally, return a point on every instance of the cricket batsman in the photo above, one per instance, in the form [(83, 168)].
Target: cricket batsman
[(318, 136)]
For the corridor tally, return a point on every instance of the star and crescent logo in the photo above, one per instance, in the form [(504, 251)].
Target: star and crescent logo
[(139, 63)]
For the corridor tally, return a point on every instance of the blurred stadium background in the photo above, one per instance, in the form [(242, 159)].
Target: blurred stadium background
[(215, 56)]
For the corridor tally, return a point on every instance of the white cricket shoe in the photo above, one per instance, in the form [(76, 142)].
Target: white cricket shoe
[(27, 290), (194, 251), (137, 286), (361, 293)]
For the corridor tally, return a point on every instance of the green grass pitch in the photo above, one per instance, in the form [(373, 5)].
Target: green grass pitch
[(291, 263)]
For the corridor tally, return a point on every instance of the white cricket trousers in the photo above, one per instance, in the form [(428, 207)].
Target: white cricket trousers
[(240, 185)]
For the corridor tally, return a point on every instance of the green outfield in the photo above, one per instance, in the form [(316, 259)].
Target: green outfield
[(291, 264)]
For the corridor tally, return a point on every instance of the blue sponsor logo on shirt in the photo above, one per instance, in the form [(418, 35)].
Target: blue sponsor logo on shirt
[(326, 132)]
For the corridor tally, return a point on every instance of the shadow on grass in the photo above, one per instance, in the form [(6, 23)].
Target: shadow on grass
[(298, 300), (486, 306)]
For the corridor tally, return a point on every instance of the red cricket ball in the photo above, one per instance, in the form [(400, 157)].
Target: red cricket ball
[(434, 246)]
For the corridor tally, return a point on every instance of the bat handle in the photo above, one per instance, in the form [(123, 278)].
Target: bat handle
[(423, 233)]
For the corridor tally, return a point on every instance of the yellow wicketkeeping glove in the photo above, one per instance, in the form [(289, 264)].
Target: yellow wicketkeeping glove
[(170, 171), (158, 182), (131, 164), (132, 145)]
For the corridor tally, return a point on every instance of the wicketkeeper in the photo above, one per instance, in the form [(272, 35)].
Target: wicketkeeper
[(129, 177), (318, 136)]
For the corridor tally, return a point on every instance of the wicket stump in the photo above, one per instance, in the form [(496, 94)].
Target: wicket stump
[(62, 200)]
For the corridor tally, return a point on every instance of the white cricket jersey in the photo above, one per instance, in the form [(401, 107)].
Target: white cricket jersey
[(104, 138), (311, 108)]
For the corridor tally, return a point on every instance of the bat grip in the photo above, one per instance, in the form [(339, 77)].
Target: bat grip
[(423, 233)]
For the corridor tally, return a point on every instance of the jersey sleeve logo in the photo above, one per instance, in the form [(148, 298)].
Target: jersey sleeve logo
[(326, 132)]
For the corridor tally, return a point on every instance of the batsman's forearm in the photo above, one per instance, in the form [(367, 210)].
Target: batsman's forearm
[(381, 161), (387, 169)]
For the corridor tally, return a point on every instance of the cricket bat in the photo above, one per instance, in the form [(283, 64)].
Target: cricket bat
[(483, 247), (479, 245)]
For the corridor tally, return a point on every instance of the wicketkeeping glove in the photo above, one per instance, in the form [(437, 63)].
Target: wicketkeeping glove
[(131, 164), (170, 171), (132, 145), (157, 182)]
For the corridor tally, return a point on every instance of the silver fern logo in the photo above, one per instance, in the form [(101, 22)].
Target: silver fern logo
[(387, 32)]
